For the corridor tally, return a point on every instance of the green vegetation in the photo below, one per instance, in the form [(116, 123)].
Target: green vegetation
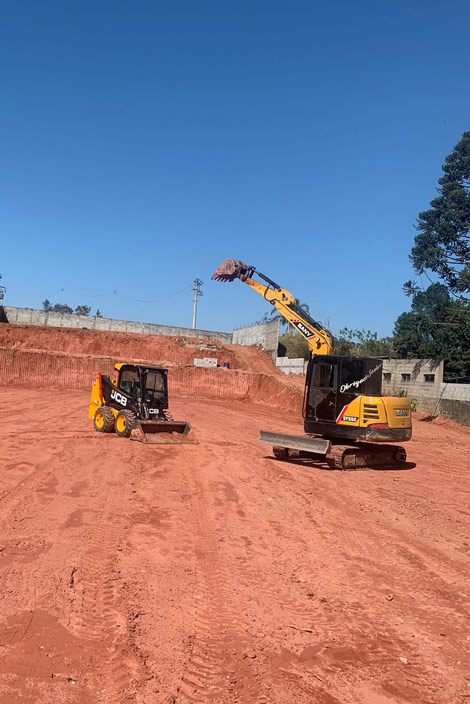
[(293, 346), (443, 243), (64, 308), (437, 327), (363, 343)]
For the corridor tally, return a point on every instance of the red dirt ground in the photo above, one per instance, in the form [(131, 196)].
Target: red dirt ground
[(212, 572)]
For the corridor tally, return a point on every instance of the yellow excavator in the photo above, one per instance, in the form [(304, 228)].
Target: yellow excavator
[(347, 421)]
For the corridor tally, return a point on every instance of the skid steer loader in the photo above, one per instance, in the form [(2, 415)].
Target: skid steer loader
[(135, 406)]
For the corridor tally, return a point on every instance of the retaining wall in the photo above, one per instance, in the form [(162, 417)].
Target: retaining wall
[(456, 410)]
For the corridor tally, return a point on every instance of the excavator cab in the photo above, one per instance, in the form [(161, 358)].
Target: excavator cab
[(343, 399)]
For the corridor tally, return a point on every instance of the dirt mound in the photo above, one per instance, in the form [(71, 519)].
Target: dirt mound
[(156, 349), (441, 421)]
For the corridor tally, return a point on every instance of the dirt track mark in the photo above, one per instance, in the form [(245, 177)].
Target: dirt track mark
[(98, 613), (33, 491), (221, 667)]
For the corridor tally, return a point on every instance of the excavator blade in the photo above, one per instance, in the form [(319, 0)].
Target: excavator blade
[(164, 432), (231, 269), (301, 443)]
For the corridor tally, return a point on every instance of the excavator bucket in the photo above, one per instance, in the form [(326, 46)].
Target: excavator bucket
[(231, 269), (164, 432)]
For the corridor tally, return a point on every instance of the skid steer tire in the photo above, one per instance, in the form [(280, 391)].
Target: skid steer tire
[(103, 420), (124, 423)]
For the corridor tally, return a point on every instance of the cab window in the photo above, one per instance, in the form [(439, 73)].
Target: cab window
[(324, 376), (155, 381), (129, 382)]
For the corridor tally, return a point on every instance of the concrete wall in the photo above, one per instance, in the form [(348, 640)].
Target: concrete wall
[(29, 316), (394, 383), (455, 392), (264, 334), (433, 397), (456, 410), (297, 365)]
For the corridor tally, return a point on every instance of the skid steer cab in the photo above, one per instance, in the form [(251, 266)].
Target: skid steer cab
[(135, 405)]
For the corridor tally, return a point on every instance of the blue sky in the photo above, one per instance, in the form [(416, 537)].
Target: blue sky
[(143, 143)]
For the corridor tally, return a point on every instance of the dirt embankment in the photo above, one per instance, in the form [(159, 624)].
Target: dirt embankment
[(158, 349), (65, 358)]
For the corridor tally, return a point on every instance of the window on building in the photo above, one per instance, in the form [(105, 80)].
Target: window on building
[(429, 378), (406, 377), (387, 376)]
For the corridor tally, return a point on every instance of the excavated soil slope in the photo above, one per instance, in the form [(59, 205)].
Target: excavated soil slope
[(213, 572), (66, 358), (158, 349)]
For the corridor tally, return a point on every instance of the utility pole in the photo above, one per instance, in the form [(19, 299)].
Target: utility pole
[(197, 292)]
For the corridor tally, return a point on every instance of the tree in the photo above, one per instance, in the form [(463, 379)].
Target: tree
[(293, 346), (437, 327), (61, 308), (362, 343), (98, 313), (64, 308), (443, 243)]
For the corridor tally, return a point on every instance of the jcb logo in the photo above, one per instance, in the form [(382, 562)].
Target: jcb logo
[(119, 398)]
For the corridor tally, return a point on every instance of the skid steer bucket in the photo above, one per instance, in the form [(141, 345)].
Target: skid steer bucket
[(231, 269), (164, 432)]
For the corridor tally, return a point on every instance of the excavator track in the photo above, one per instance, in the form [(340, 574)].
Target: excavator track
[(363, 456), (347, 457)]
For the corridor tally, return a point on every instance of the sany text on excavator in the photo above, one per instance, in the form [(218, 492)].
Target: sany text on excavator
[(135, 406), (347, 421)]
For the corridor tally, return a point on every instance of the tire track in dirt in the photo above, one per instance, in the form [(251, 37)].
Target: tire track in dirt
[(220, 667), (97, 608), (25, 492)]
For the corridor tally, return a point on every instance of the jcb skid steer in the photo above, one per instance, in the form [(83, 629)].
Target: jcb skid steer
[(135, 406)]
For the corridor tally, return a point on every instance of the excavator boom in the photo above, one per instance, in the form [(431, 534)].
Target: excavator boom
[(319, 340)]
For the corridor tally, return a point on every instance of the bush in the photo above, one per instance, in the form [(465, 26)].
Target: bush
[(293, 347)]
